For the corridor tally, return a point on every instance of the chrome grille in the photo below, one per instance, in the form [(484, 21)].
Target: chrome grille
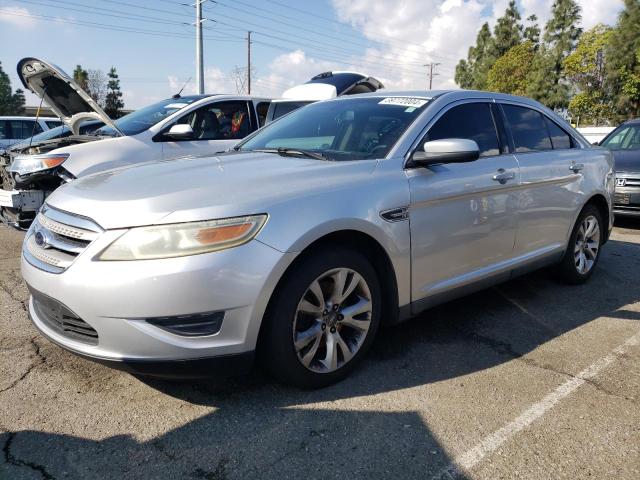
[(56, 238), (630, 182)]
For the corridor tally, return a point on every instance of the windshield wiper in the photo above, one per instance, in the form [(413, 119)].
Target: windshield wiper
[(293, 152)]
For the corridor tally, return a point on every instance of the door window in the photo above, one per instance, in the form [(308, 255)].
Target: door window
[(262, 108), (472, 121), (219, 121), (528, 129), (4, 129), (21, 129)]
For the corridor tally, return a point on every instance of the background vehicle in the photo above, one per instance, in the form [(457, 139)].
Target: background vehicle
[(175, 127), (317, 228), (322, 87), (624, 143), (16, 129)]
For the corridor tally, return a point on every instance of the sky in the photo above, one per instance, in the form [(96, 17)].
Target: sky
[(152, 43)]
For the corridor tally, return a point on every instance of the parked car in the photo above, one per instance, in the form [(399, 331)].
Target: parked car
[(171, 128), (36, 143), (316, 229), (624, 143), (322, 87), (16, 129)]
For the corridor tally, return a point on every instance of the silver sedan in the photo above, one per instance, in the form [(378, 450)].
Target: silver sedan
[(296, 246)]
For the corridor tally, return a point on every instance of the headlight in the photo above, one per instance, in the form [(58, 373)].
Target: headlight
[(26, 164), (182, 239)]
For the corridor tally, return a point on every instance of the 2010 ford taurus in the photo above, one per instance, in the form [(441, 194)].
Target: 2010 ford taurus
[(294, 248)]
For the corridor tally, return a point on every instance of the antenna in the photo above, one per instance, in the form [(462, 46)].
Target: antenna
[(177, 95)]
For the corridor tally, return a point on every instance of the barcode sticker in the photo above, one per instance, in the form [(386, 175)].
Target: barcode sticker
[(404, 101)]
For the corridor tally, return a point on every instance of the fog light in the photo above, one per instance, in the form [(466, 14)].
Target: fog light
[(196, 325)]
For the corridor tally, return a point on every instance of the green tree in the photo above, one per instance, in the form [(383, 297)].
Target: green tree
[(11, 103), (561, 34), (113, 101), (511, 73), (472, 72), (623, 61), (81, 77), (585, 68), (508, 31), (532, 30)]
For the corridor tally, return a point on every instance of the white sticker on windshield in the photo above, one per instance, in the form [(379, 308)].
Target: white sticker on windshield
[(404, 101)]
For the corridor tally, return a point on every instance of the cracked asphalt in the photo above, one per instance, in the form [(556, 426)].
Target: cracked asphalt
[(485, 387)]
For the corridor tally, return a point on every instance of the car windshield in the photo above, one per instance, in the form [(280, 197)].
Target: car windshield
[(346, 129), (144, 118), (625, 137), (86, 128)]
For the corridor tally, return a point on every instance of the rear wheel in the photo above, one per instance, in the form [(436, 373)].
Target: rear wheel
[(322, 319), (583, 250)]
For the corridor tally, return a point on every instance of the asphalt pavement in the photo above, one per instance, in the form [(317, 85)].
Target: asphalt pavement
[(530, 379)]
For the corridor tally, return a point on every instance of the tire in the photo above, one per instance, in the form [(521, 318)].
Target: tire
[(297, 335), (570, 269)]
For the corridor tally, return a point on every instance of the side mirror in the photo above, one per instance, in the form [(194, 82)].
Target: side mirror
[(180, 131), (450, 150)]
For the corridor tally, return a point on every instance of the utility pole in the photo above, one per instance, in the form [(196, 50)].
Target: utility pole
[(431, 66), (249, 62), (199, 61)]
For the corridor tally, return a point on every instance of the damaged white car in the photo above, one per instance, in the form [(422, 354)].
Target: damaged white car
[(172, 128)]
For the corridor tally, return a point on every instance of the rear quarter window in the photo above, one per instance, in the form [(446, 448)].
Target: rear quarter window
[(559, 138)]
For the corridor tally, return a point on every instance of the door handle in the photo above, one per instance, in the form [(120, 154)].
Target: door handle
[(576, 167), (503, 176)]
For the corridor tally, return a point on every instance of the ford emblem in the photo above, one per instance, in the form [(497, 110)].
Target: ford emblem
[(41, 239)]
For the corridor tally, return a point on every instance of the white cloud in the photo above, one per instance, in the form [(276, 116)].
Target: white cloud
[(17, 16), (416, 32)]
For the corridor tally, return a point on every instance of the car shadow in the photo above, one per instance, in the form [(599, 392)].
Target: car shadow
[(259, 429)]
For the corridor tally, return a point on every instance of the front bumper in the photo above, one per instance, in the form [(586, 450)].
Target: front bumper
[(627, 201), (115, 298)]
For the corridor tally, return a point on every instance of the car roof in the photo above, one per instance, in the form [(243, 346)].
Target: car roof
[(195, 98), (633, 121), (17, 117), (451, 95)]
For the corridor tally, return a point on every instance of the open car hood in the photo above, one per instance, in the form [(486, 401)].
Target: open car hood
[(65, 97)]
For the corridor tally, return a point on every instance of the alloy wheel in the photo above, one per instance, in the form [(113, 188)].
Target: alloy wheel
[(332, 320), (587, 244)]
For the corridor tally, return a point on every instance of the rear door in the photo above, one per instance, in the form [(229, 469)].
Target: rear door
[(463, 216), (216, 126), (551, 174)]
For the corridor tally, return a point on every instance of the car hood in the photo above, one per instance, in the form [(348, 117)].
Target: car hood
[(627, 161), (202, 188), (65, 97)]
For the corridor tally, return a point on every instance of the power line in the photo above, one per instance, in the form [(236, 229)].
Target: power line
[(105, 26), (388, 39), (308, 30), (431, 66)]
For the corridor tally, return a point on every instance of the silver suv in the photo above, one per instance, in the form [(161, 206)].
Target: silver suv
[(317, 229)]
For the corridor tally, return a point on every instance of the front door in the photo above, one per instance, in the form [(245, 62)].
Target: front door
[(463, 216), (217, 127)]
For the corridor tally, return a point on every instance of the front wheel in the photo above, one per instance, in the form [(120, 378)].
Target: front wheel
[(322, 319), (583, 250)]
